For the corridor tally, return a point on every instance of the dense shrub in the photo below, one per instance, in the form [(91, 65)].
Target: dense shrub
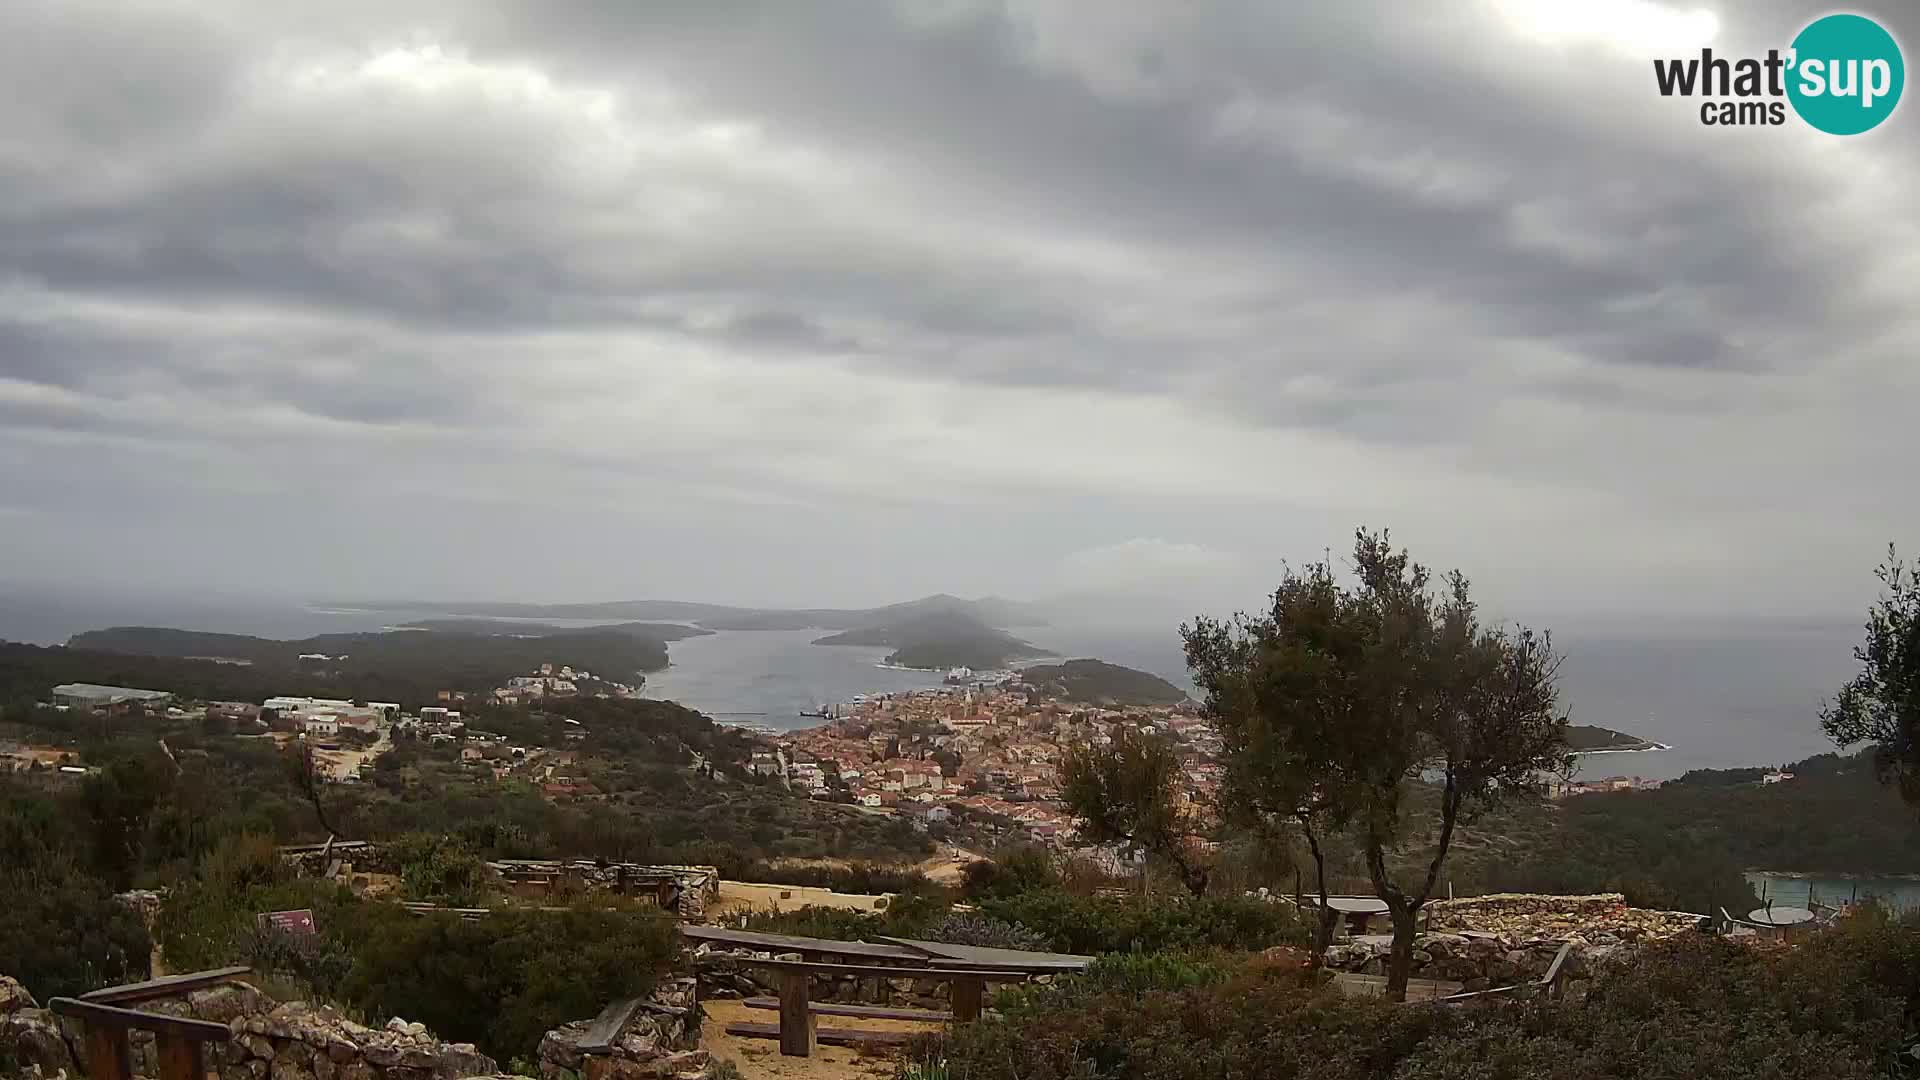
[(1013, 870), (962, 928), (499, 982), (441, 870), (1696, 1007), (503, 981), (63, 933), (1102, 924), (860, 878)]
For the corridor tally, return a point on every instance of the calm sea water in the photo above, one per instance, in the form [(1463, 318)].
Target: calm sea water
[(1896, 894), (1721, 698)]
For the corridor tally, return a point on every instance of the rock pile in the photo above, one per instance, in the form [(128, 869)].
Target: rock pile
[(299, 1042), (659, 1039), (1603, 919), (1475, 961), (31, 1042), (284, 1042), (1508, 938)]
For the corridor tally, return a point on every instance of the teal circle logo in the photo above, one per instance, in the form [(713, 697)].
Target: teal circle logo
[(1847, 74)]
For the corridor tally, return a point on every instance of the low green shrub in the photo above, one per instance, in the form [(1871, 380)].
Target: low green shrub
[(963, 928), (1103, 924), (1700, 1008)]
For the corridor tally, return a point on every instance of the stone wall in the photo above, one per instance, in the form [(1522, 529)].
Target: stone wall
[(296, 1041), (1479, 962), (1603, 918), (285, 1042), (659, 1039)]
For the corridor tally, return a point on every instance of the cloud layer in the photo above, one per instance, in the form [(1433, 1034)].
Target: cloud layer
[(842, 302)]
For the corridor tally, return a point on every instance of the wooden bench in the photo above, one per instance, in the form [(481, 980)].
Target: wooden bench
[(797, 1031)]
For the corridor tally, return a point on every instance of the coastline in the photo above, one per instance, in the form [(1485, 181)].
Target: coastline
[(1646, 748)]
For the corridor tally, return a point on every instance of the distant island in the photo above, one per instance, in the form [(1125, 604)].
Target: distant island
[(523, 628), (941, 638), (414, 661), (1097, 682), (1585, 739), (991, 610)]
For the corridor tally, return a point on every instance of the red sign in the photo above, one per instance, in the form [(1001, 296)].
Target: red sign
[(298, 923)]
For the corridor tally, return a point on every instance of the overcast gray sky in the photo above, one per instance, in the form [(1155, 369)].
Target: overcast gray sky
[(841, 303)]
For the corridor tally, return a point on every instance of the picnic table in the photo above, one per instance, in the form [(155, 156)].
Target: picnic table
[(798, 1032), (1780, 916), (1358, 912), (967, 968)]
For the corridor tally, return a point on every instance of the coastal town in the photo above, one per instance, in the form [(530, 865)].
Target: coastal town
[(988, 749), (984, 751)]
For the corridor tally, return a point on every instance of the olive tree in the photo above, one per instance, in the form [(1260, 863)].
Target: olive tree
[(1132, 791), (1342, 698), (1881, 705)]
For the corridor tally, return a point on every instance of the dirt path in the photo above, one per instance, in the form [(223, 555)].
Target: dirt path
[(948, 865), (759, 1059)]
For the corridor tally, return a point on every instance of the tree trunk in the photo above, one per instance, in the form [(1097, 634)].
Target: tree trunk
[(1400, 960), (1329, 918)]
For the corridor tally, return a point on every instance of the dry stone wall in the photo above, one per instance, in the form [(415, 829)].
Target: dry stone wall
[(269, 1042), (298, 1041), (659, 1040), (1508, 938)]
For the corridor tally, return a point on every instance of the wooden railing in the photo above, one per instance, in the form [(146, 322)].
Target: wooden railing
[(180, 1042)]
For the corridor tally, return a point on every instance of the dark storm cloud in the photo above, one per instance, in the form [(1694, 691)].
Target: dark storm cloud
[(1306, 263)]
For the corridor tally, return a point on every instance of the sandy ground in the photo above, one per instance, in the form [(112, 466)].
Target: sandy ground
[(760, 1058), (949, 864), (739, 895), (345, 764)]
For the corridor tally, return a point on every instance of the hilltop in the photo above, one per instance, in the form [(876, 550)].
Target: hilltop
[(940, 638), (403, 665), (990, 610), (1586, 739), (526, 628), (1100, 683)]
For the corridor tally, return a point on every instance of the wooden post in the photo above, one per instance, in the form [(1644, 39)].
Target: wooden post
[(796, 1020), (107, 1057), (966, 996), (180, 1058)]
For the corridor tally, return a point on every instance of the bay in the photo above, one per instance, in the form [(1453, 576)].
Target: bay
[(1723, 696)]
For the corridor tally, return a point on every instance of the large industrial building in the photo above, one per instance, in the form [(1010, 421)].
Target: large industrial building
[(81, 695)]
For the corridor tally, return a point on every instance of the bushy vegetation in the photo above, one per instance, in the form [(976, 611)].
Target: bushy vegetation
[(966, 928), (1022, 886), (61, 931), (1697, 1007), (859, 878), (1134, 923), (499, 982)]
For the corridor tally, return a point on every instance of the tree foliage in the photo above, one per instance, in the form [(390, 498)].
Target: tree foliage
[(1340, 699), (1698, 1007), (1881, 704), (1132, 792)]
